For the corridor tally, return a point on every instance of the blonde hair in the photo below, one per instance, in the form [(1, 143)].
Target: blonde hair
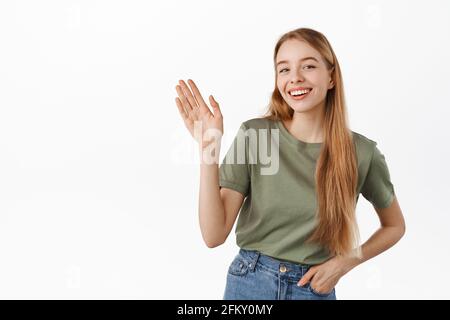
[(336, 170)]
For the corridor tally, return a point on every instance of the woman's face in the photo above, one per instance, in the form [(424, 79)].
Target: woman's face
[(301, 71)]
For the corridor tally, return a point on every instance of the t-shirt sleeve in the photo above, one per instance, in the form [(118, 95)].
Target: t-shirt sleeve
[(378, 188), (234, 172)]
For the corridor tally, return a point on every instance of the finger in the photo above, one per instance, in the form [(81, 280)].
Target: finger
[(215, 106), (183, 113), (307, 277), (188, 94), (183, 98), (198, 96), (185, 103)]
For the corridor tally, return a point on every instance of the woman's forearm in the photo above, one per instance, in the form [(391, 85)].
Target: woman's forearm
[(211, 208), (384, 238)]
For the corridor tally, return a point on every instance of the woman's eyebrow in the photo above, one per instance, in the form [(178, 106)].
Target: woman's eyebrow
[(306, 58)]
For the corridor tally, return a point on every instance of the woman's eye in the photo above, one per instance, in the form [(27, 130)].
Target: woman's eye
[(307, 67)]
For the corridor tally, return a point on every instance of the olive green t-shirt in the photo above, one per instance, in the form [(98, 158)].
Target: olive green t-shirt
[(278, 212)]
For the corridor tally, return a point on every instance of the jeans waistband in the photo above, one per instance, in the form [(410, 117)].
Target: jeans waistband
[(255, 256)]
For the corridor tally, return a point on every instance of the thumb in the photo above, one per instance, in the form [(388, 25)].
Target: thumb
[(307, 277), (215, 106)]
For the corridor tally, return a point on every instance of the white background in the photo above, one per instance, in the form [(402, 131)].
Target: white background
[(99, 177)]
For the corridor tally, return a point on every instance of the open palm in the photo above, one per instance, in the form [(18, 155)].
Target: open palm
[(194, 110)]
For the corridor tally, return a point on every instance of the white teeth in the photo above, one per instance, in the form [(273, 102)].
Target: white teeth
[(299, 92)]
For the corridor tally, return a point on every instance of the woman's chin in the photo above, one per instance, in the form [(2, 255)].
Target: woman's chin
[(298, 107)]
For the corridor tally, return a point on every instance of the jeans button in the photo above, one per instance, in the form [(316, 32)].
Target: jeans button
[(283, 268)]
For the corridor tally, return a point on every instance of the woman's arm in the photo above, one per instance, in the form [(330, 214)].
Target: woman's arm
[(390, 232), (218, 207), (325, 276)]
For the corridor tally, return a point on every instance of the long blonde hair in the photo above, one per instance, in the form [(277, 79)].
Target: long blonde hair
[(336, 170)]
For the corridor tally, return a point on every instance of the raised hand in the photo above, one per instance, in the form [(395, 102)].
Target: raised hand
[(194, 111)]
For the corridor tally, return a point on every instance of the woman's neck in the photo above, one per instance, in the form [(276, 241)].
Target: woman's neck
[(307, 126)]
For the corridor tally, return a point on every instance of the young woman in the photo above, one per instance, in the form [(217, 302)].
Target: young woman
[(297, 228)]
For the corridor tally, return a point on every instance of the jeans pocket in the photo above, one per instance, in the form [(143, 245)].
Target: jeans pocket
[(239, 266), (318, 293)]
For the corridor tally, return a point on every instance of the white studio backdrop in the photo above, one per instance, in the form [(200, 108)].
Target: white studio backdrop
[(99, 177)]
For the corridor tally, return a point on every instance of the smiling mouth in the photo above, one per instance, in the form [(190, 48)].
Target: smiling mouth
[(299, 94), (295, 94)]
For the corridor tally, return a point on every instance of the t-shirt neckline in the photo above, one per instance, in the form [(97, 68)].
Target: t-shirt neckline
[(284, 131)]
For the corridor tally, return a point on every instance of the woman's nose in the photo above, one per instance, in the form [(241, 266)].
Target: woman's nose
[(298, 76)]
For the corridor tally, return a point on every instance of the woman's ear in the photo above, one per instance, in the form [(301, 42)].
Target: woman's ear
[(331, 85)]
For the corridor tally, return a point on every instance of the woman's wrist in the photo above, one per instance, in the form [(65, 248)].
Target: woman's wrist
[(210, 151), (348, 263)]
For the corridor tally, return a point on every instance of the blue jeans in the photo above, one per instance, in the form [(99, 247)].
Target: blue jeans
[(255, 276)]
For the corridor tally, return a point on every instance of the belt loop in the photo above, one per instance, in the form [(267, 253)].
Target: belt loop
[(253, 261)]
